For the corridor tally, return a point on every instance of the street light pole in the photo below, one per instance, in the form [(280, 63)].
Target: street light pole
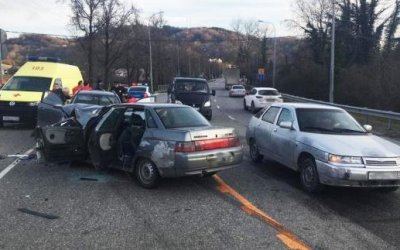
[(150, 52), (332, 70), (274, 65)]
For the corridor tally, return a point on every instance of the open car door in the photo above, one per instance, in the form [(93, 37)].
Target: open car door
[(103, 139), (64, 141)]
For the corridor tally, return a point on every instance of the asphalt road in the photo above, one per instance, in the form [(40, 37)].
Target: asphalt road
[(264, 209)]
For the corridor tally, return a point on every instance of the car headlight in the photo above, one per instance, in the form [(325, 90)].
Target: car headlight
[(207, 104), (33, 104), (344, 159)]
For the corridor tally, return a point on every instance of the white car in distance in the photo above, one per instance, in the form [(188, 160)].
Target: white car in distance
[(237, 90), (261, 97)]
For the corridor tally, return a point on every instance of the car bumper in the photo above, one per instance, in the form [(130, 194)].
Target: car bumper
[(237, 94), (260, 105), (206, 111), (358, 177), (18, 114), (207, 161)]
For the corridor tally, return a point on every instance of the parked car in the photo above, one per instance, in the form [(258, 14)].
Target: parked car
[(193, 92), (147, 140), (136, 93), (259, 98), (96, 97), (326, 145), (237, 90)]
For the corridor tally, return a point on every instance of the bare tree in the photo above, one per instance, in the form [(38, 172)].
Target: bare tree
[(85, 14), (113, 26)]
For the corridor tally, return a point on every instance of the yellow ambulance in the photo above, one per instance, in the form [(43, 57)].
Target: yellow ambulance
[(21, 94)]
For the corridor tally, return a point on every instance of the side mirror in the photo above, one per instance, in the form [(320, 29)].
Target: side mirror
[(287, 125), (368, 128), (213, 92)]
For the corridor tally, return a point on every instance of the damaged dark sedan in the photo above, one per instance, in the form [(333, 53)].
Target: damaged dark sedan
[(148, 140)]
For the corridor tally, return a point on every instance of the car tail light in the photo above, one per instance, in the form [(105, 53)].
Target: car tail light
[(203, 145), (185, 147)]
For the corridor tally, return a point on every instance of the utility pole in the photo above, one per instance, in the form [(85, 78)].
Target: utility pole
[(150, 52), (332, 71), (3, 36), (274, 65)]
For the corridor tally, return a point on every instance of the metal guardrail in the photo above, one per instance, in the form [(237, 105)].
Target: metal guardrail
[(389, 115)]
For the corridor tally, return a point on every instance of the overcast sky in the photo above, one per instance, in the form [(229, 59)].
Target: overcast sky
[(52, 17)]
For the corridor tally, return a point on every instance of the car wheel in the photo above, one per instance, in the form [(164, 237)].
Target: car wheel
[(1, 122), (146, 173), (388, 189), (209, 117), (309, 176), (254, 153), (244, 104)]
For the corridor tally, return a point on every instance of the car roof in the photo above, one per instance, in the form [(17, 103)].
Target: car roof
[(190, 79), (241, 85), (95, 92), (296, 105)]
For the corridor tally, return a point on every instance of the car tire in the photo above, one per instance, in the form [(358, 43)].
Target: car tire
[(1, 122), (209, 117), (254, 153), (253, 108), (309, 175), (244, 105), (388, 189), (146, 173)]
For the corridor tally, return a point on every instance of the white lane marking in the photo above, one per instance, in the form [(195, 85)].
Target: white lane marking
[(218, 107), (230, 117), (13, 164)]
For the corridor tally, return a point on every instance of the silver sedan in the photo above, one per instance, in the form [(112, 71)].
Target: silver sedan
[(326, 145)]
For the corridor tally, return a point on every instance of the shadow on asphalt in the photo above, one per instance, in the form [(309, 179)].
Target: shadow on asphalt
[(368, 207)]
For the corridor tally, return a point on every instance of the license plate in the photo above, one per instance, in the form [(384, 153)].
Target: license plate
[(11, 118), (384, 175)]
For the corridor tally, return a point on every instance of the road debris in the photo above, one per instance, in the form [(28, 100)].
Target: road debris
[(39, 214)]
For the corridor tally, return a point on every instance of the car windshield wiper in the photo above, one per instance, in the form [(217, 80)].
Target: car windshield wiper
[(348, 130)]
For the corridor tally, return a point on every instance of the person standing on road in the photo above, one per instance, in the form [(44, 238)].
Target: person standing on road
[(119, 90), (86, 86), (57, 89), (77, 88)]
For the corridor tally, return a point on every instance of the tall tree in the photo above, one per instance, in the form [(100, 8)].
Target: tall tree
[(113, 24), (85, 14)]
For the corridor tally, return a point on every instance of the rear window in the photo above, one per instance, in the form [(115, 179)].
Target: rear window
[(268, 92), (102, 100), (140, 89), (237, 87), (28, 83), (180, 117)]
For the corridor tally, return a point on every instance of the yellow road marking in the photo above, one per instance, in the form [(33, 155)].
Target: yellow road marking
[(288, 238)]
